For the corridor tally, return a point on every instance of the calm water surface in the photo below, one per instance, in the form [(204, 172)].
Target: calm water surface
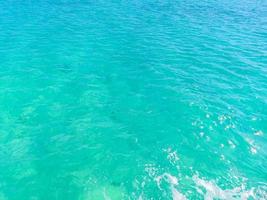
[(142, 99)]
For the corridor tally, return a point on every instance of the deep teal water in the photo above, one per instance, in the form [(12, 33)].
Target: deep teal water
[(133, 99)]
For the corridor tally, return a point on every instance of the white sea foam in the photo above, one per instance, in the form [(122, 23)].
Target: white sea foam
[(212, 191), (172, 184), (208, 189), (177, 195), (173, 181), (258, 133)]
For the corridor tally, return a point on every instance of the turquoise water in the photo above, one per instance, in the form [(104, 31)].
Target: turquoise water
[(133, 99)]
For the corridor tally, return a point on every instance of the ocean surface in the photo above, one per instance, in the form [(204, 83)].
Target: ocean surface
[(138, 100)]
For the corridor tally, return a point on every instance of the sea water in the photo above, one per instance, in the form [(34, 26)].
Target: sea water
[(142, 99)]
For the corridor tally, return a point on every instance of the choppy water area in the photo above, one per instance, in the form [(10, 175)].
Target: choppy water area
[(133, 99)]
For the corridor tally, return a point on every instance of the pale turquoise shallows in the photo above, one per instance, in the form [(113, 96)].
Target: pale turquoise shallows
[(139, 100)]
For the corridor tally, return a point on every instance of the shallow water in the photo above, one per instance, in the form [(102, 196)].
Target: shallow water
[(133, 99)]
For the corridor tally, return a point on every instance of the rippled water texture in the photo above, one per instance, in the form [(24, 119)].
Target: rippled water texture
[(141, 99)]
